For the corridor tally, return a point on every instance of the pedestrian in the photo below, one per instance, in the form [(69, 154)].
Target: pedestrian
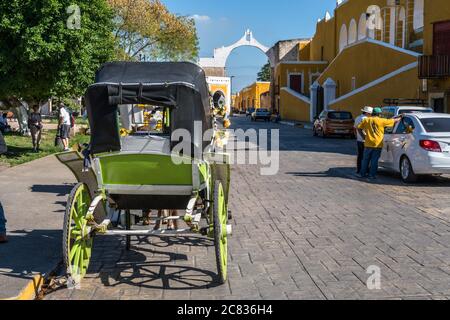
[(3, 238), (64, 126), (366, 112), (35, 126), (3, 148), (372, 129), (4, 127), (86, 152)]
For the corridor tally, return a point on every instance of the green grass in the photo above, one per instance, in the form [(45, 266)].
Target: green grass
[(20, 148), (79, 121)]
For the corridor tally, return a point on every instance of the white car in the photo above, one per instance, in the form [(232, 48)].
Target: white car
[(419, 145), (392, 112)]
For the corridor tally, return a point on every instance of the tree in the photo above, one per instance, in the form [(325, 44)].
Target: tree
[(145, 29), (48, 50), (265, 73)]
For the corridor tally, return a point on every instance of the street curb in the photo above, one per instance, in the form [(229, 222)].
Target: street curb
[(31, 290), (292, 124), (34, 286), (298, 124)]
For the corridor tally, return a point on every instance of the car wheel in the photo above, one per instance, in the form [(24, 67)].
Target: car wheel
[(406, 171)]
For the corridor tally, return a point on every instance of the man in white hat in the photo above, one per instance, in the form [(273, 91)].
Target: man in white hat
[(366, 112)]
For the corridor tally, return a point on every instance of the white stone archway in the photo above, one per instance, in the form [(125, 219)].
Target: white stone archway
[(220, 82), (219, 60)]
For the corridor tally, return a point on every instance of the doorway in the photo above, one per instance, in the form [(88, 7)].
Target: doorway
[(438, 105), (296, 82)]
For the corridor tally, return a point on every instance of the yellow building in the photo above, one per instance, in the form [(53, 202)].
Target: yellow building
[(434, 65), (368, 51), (250, 97)]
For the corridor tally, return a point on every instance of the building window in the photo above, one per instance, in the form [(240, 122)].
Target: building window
[(296, 82), (343, 38), (441, 36), (352, 32), (362, 27)]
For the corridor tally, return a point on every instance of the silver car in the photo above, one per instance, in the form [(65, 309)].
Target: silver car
[(418, 145)]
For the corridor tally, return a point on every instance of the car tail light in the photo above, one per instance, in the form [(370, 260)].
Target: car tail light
[(430, 145)]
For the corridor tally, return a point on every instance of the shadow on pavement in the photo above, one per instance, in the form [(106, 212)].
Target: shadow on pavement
[(27, 254), (148, 266), (60, 190), (385, 177)]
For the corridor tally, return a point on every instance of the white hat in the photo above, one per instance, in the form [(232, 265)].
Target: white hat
[(368, 110)]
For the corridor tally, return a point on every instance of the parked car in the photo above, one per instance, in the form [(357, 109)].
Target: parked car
[(250, 112), (334, 123), (261, 114), (395, 111), (419, 145)]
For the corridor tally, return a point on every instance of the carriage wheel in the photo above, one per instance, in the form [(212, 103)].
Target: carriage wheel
[(77, 240), (220, 218)]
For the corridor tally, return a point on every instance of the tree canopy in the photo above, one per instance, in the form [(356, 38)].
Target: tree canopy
[(43, 53), (146, 29), (265, 73)]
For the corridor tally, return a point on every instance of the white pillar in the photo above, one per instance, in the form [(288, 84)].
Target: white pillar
[(393, 26), (313, 107), (329, 92)]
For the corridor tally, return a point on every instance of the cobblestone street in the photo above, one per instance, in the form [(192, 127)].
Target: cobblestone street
[(309, 232)]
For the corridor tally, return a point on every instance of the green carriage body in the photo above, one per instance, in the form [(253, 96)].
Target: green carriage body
[(143, 173)]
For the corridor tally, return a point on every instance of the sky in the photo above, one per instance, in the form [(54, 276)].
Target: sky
[(222, 23)]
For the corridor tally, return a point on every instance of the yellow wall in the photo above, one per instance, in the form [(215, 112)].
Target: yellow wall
[(366, 62), (283, 70), (325, 37), (435, 11), (293, 108), (250, 96), (304, 51), (402, 85)]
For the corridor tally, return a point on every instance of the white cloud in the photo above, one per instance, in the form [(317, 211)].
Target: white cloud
[(201, 18)]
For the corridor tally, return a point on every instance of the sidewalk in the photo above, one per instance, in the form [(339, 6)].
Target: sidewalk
[(34, 197)]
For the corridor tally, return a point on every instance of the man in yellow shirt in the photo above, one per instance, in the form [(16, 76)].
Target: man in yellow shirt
[(372, 128)]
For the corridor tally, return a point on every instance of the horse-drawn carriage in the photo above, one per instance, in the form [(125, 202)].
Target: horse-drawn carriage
[(136, 167)]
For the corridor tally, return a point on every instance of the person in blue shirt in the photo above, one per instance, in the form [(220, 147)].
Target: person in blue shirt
[(3, 238)]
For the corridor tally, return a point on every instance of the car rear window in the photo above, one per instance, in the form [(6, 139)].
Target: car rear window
[(436, 124), (340, 115), (415, 110)]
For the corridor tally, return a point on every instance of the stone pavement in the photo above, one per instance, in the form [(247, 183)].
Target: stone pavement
[(33, 196), (310, 232)]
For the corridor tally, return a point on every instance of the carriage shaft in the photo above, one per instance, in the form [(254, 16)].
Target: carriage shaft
[(148, 233)]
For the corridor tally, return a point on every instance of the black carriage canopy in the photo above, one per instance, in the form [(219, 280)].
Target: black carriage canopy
[(179, 85)]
